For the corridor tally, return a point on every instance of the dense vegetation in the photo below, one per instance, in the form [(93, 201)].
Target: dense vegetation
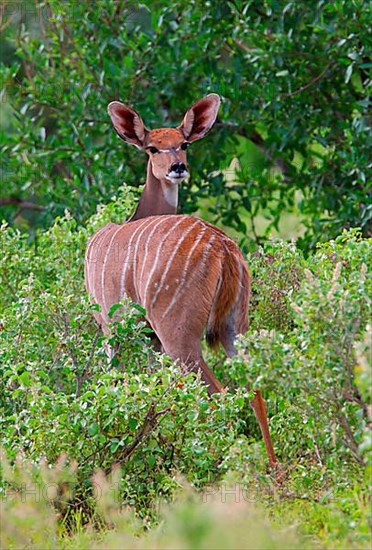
[(131, 453), (294, 81), (307, 350)]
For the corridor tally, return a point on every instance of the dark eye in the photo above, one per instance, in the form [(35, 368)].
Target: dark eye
[(153, 150), (184, 146)]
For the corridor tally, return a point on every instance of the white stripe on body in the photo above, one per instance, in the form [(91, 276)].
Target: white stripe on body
[(185, 269), (95, 244), (184, 273), (126, 261), (151, 222), (206, 251), (104, 265), (160, 246), (147, 245), (92, 241), (170, 261)]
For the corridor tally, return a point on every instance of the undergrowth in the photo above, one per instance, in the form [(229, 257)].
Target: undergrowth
[(136, 455)]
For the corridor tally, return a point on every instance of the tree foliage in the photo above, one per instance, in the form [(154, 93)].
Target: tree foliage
[(294, 81)]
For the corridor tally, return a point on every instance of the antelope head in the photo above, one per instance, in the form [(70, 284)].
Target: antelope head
[(166, 147)]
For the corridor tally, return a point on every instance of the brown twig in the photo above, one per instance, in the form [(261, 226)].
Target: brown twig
[(7, 23), (148, 424), (22, 205), (66, 334), (317, 452), (311, 83), (350, 441), (7, 283)]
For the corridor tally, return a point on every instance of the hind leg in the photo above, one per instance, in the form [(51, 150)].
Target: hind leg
[(181, 337), (193, 360), (259, 408), (187, 350), (228, 335)]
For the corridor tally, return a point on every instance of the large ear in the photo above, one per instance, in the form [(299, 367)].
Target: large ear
[(127, 123), (200, 118)]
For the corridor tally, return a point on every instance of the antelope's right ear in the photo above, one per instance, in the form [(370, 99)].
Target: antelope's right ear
[(127, 123), (200, 118)]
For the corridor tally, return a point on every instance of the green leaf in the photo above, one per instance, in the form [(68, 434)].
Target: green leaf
[(25, 379)]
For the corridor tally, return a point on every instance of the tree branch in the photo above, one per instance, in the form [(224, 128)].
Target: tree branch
[(311, 83), (149, 423), (22, 205), (85, 374)]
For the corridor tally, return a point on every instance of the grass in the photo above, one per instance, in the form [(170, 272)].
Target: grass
[(331, 514)]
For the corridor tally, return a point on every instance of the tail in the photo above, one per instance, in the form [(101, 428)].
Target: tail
[(230, 306)]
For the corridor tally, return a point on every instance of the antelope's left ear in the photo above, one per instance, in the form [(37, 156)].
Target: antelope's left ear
[(127, 123), (200, 118)]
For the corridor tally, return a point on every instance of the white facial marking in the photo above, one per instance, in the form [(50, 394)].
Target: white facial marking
[(175, 177)]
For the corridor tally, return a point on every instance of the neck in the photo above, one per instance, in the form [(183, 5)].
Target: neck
[(159, 197)]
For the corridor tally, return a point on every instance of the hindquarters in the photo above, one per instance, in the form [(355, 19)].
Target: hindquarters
[(188, 275), (194, 281), (229, 312)]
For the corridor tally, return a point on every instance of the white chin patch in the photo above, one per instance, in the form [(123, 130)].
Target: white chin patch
[(174, 177)]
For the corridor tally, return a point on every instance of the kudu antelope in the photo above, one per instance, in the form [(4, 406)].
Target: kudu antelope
[(189, 276)]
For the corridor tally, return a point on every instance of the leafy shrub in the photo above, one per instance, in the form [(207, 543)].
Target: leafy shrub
[(62, 395), (277, 270), (310, 373)]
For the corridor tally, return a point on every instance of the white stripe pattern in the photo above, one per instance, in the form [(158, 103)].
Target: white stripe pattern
[(92, 241), (126, 261), (104, 265), (151, 222), (206, 251), (160, 246), (96, 245), (180, 287), (164, 218), (170, 261)]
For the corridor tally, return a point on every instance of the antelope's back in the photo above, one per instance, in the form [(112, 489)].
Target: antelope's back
[(169, 264)]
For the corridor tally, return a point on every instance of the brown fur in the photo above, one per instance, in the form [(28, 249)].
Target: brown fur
[(209, 293), (233, 292), (189, 280)]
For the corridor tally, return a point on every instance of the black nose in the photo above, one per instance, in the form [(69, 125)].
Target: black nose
[(178, 167)]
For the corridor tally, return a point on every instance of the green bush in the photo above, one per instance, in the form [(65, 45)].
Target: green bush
[(62, 395), (307, 351), (310, 372)]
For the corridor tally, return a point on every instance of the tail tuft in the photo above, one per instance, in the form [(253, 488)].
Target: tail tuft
[(233, 290), (212, 338)]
